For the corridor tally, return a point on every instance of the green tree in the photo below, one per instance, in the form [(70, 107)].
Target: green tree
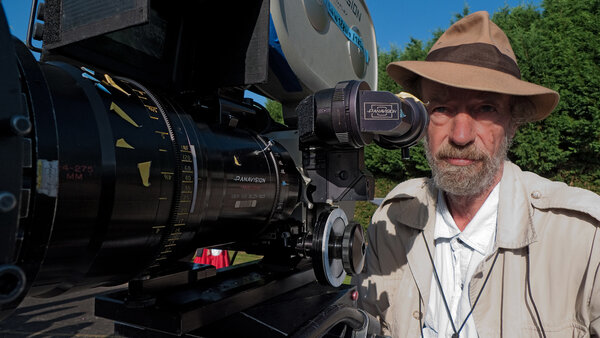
[(559, 47)]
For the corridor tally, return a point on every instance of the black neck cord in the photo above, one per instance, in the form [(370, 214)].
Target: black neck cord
[(437, 279)]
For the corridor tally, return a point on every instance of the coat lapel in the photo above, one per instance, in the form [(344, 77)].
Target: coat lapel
[(514, 232), (515, 226), (414, 219), (418, 260)]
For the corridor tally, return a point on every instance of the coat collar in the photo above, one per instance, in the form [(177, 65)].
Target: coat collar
[(515, 211), (414, 222), (414, 219), (419, 199)]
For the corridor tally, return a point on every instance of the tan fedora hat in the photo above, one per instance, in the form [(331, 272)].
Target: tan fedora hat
[(475, 54)]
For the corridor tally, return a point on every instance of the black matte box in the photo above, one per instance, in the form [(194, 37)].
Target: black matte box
[(176, 46), (69, 21)]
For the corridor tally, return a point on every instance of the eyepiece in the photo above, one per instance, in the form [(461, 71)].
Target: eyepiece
[(352, 116)]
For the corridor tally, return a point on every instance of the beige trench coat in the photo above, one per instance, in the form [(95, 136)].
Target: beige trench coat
[(548, 264)]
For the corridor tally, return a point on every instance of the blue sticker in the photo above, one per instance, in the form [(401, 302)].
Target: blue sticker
[(89, 77), (88, 70), (102, 88), (343, 26)]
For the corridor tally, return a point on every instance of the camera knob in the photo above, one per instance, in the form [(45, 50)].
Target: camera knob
[(338, 248), (353, 249)]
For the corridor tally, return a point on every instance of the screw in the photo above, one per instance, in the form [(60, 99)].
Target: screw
[(20, 125), (7, 201)]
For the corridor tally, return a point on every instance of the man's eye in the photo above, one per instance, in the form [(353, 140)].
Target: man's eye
[(439, 115), (439, 110), (487, 108)]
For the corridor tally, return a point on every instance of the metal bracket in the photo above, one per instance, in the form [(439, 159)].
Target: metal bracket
[(30, 27)]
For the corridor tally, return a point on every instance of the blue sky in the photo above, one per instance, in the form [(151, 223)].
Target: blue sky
[(396, 21)]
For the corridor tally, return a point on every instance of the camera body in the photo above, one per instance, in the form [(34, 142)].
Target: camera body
[(133, 145)]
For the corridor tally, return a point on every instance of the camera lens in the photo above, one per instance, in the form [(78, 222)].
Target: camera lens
[(124, 181)]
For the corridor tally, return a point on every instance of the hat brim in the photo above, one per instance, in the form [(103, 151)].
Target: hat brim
[(475, 78)]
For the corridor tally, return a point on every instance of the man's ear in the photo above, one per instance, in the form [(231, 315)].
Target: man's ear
[(512, 130)]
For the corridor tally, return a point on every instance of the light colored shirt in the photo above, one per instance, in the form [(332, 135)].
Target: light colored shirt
[(457, 255)]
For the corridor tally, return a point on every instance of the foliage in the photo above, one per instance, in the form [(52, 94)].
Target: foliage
[(242, 257), (364, 210), (275, 110), (559, 48)]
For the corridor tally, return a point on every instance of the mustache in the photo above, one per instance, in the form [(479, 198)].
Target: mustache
[(470, 152)]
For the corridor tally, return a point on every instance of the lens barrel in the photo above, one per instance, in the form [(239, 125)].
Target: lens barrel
[(123, 181)]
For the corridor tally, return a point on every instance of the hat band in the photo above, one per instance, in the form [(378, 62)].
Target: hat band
[(476, 54)]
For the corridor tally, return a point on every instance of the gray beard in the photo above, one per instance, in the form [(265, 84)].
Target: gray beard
[(471, 180)]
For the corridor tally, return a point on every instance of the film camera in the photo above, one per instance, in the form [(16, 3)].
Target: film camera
[(130, 144)]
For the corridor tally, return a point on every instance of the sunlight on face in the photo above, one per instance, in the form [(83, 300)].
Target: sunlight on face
[(467, 138)]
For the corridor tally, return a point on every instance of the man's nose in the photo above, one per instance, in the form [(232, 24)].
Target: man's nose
[(463, 129)]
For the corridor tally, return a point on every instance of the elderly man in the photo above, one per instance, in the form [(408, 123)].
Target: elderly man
[(482, 249)]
